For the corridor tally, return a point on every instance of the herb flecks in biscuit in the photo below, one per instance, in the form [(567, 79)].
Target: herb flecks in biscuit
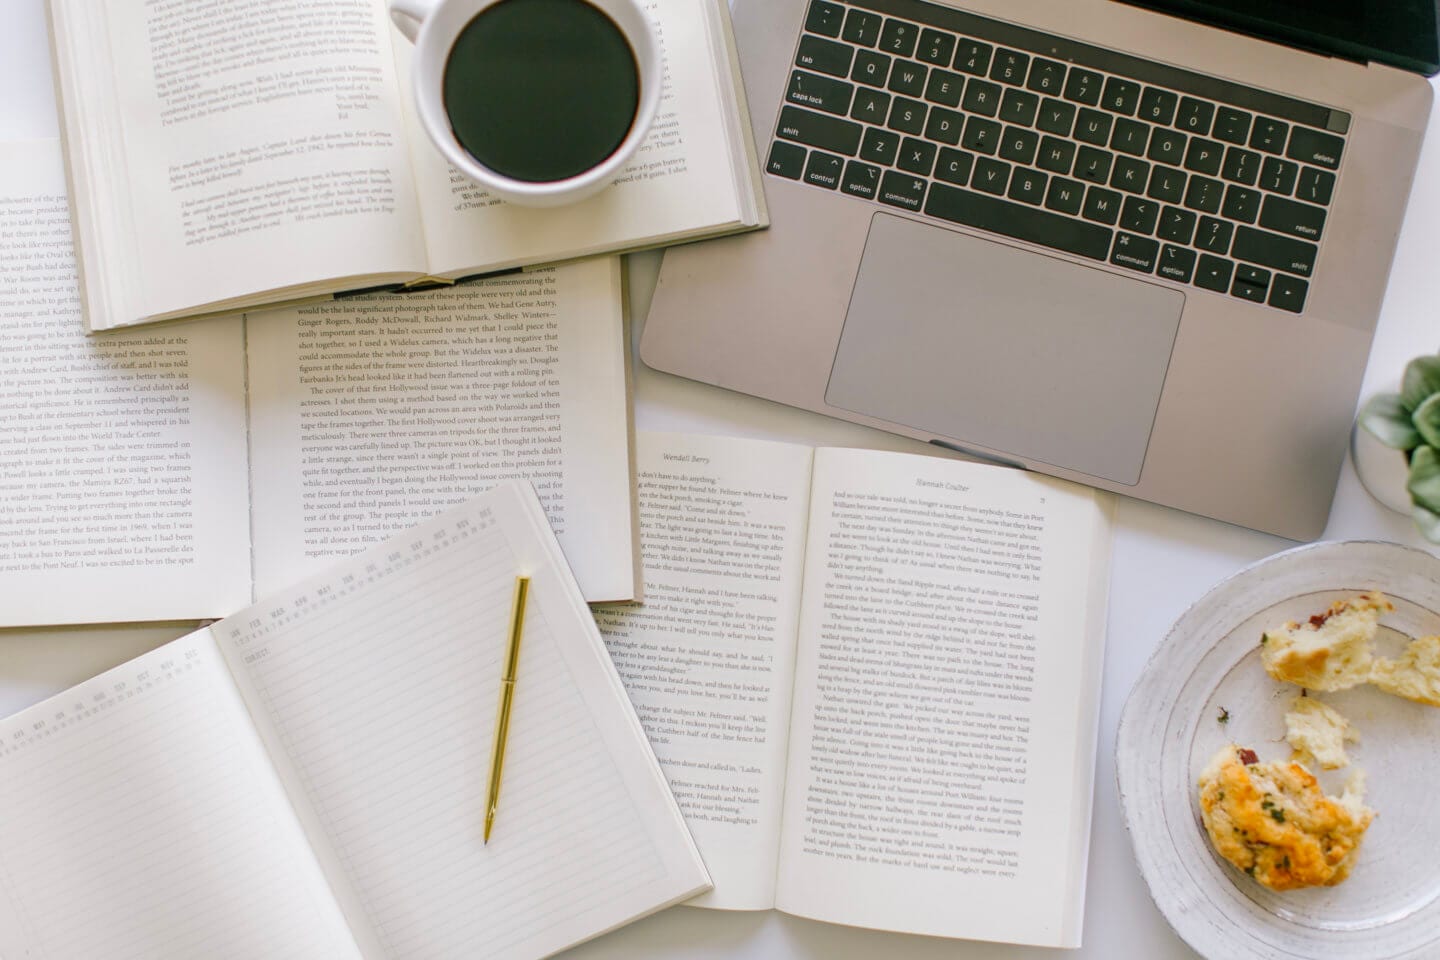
[(1272, 821), (1329, 651)]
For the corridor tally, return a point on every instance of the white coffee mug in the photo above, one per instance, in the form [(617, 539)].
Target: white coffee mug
[(434, 26)]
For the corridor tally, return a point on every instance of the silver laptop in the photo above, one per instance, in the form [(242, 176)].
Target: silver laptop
[(1096, 239)]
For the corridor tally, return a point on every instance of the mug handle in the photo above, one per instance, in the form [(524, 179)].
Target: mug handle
[(408, 15)]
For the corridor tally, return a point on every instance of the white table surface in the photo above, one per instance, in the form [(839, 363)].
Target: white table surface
[(1162, 561)]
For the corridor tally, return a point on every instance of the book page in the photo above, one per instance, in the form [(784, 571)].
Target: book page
[(946, 699), (371, 414), (378, 683), (708, 659), (681, 180), (123, 456), (258, 145), (140, 817)]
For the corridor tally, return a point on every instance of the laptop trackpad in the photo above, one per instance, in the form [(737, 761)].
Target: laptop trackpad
[(990, 345)]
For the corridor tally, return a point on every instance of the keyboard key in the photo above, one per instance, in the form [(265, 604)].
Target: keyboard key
[(992, 176), (972, 56), (1288, 293), (861, 180), (1130, 136), (1137, 253), (1010, 66), (982, 98), (1242, 204), (1296, 219), (907, 78), (1139, 215), (1019, 146), (1158, 106), (870, 68), (1166, 146), (1194, 116), (1317, 186), (898, 38), (981, 135), (1121, 96), (1250, 283), (825, 18), (880, 146), (1204, 194), (1279, 175), (1204, 156), (1269, 134), (824, 169), (1241, 166), (1102, 206), (1176, 263), (1046, 76), (1017, 106), (1056, 155), (902, 190), (944, 125), (1084, 86), (862, 27), (1028, 186), (819, 130), (1213, 273), (907, 116), (1020, 222), (916, 156), (1130, 175), (936, 47), (1056, 116), (954, 166), (822, 93), (870, 106), (1094, 127), (786, 160), (1313, 146), (824, 56), (1214, 235), (1177, 225), (944, 87), (1093, 165), (1066, 196), (1167, 184), (1231, 125)]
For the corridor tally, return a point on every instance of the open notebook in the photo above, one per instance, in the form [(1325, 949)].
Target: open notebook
[(307, 778)]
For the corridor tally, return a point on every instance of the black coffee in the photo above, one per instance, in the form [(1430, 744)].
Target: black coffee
[(541, 90)]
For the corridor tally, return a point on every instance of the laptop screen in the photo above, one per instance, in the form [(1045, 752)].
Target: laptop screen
[(1401, 33)]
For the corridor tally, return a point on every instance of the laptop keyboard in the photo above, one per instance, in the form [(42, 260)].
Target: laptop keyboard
[(1091, 152)]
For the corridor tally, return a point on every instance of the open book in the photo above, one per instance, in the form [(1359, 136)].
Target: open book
[(243, 154), (941, 625), (308, 778), (177, 473)]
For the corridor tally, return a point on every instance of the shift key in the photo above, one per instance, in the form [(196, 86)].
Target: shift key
[(818, 130), (1274, 251)]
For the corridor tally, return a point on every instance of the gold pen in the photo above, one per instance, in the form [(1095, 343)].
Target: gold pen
[(507, 696)]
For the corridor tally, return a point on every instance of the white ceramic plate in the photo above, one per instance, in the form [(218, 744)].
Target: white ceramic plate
[(1389, 908)]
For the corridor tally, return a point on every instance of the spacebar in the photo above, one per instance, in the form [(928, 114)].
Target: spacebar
[(1019, 221)]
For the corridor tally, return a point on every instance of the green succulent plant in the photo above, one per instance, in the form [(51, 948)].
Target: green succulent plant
[(1409, 421)]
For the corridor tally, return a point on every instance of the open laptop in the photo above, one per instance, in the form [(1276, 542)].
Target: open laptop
[(1141, 246)]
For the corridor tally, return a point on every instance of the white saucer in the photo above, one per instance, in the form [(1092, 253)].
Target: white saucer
[(1389, 908)]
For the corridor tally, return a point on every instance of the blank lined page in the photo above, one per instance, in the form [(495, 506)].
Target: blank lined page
[(140, 818), (382, 684)]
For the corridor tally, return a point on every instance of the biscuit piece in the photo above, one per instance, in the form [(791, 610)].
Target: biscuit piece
[(1272, 821), (1331, 650), (1318, 734), (1415, 676)]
